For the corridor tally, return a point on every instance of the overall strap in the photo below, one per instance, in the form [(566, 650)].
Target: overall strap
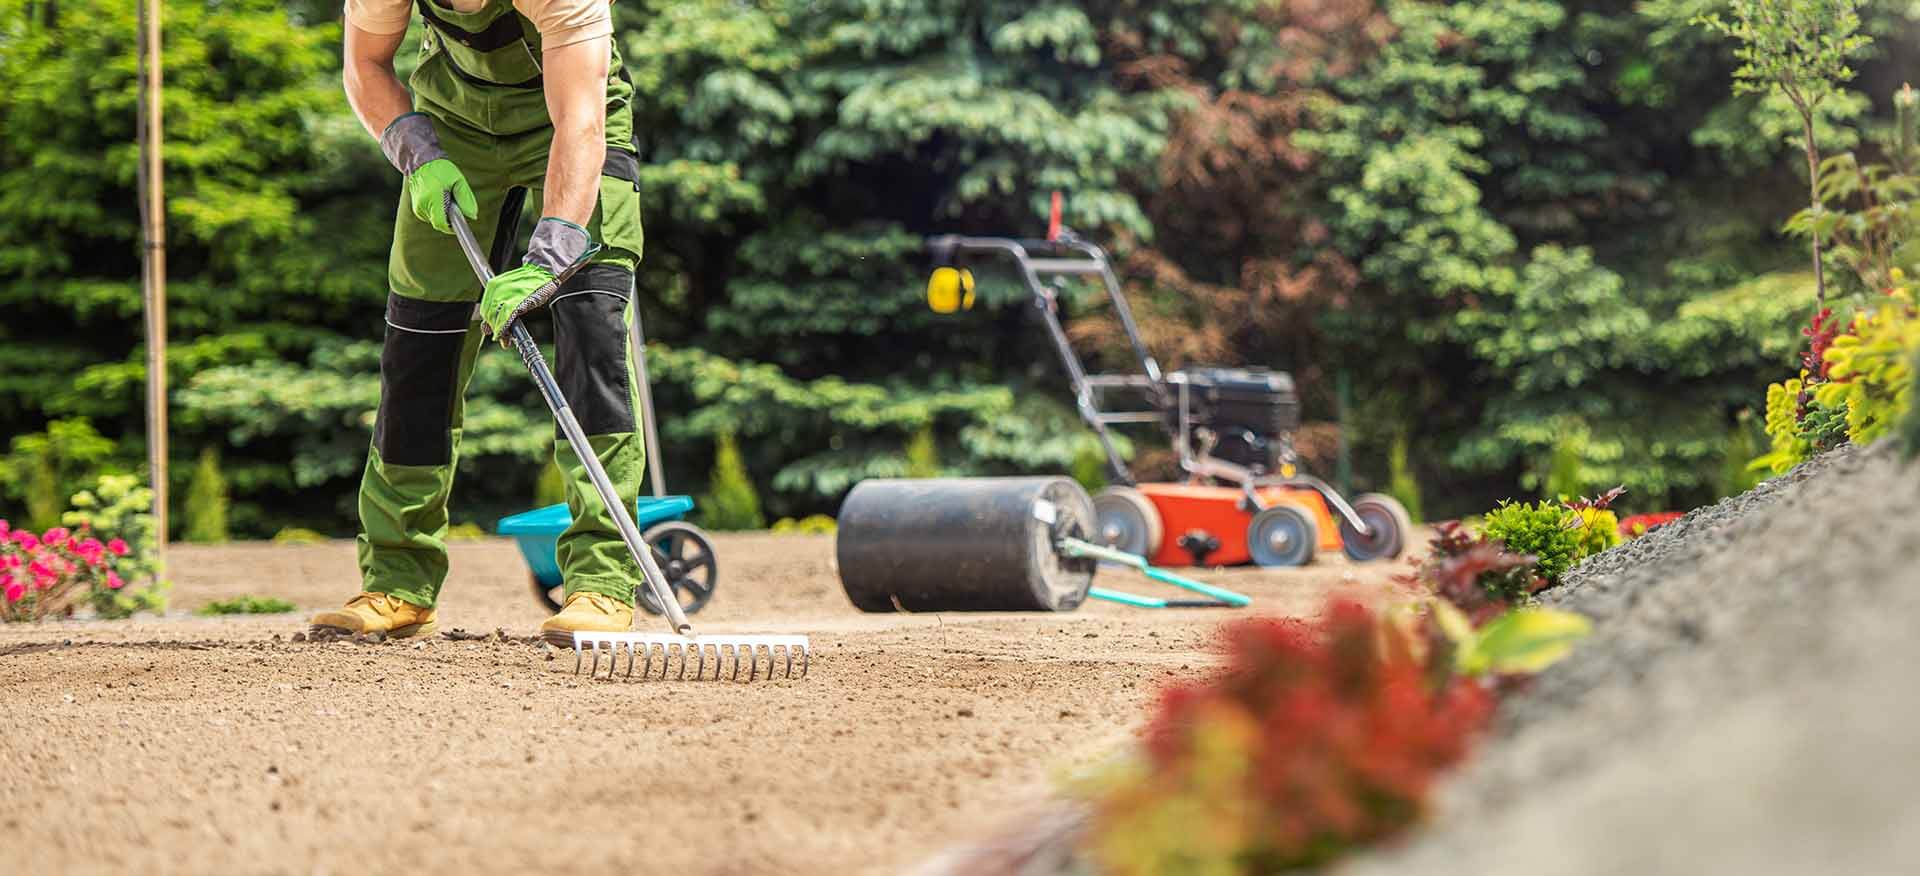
[(501, 33)]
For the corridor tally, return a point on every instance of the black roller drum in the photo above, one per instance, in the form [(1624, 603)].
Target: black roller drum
[(964, 544)]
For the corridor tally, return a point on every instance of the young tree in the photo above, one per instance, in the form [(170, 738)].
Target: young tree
[(1802, 49)]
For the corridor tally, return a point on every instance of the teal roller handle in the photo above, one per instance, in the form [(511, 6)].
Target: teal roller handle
[(1078, 548)]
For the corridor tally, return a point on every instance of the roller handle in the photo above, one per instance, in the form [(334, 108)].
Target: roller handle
[(529, 351)]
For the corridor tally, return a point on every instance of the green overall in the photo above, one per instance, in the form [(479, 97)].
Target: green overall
[(479, 81)]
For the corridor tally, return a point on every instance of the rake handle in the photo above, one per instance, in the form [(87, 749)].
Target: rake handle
[(529, 351)]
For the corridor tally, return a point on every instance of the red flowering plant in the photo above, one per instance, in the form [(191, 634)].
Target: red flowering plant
[(47, 574), (1636, 525), (1315, 737)]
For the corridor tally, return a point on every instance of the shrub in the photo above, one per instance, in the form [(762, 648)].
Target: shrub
[(207, 501), (1089, 467), (298, 535), (43, 468), (1545, 530), (1402, 484), (551, 488), (923, 454), (733, 503), (1479, 577), (815, 524), (247, 605), (48, 574), (119, 508), (1315, 738), (465, 532), (1869, 377)]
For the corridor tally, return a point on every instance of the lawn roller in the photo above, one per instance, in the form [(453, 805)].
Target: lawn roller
[(682, 643), (985, 544), (1245, 498)]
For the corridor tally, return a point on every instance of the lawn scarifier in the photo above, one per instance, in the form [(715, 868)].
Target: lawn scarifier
[(682, 642)]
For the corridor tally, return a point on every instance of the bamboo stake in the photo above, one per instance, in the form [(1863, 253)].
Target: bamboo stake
[(153, 267)]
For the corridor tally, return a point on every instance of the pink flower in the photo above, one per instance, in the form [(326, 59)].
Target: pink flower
[(44, 582), (41, 567), (114, 582), (117, 547), (5, 527), (56, 535), (15, 590), (91, 551), (9, 561), (26, 540)]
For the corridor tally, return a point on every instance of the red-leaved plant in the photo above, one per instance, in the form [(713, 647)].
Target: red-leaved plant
[(1472, 572), (1315, 737), (47, 574)]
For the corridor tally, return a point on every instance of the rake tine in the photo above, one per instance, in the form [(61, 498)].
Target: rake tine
[(789, 661), (630, 659), (576, 655), (595, 670)]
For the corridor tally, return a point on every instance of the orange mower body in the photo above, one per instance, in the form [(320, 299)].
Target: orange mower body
[(1221, 513)]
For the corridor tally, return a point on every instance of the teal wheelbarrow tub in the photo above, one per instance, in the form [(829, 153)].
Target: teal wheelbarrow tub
[(684, 551)]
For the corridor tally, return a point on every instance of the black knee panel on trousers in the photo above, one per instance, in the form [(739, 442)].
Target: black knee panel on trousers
[(590, 348), (419, 379)]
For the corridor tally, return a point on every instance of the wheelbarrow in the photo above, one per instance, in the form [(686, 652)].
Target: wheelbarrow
[(684, 551)]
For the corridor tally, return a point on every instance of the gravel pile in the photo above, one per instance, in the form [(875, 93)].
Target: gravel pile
[(1748, 702)]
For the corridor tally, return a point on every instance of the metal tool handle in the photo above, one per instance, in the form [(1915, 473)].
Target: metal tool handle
[(577, 437)]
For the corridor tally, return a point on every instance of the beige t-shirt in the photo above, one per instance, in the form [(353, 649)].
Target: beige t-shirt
[(560, 22)]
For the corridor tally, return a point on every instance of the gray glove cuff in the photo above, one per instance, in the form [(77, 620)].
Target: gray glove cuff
[(410, 142), (558, 245)]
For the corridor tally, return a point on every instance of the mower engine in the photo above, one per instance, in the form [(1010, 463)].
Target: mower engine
[(1249, 413)]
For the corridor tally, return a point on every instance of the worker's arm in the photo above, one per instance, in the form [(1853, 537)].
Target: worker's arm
[(575, 77), (373, 88), (408, 138)]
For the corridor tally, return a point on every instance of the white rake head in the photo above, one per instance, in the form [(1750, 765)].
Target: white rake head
[(770, 652)]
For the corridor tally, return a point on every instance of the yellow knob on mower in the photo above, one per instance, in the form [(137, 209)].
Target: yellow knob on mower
[(950, 289)]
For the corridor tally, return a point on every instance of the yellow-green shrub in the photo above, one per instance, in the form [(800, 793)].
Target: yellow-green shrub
[(1869, 368)]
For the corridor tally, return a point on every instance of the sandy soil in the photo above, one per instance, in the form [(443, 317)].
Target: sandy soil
[(190, 744)]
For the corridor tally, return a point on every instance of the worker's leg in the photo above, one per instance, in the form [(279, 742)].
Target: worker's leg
[(593, 362), (425, 363)]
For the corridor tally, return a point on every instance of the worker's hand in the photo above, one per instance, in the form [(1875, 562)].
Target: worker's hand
[(558, 249), (427, 189), (414, 148)]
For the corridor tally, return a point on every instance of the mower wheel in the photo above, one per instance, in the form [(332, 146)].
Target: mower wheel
[(1282, 535), (1389, 528), (685, 554), (1126, 521)]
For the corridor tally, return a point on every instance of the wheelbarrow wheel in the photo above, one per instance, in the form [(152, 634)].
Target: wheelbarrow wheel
[(1388, 529), (1282, 535), (1125, 520), (685, 554)]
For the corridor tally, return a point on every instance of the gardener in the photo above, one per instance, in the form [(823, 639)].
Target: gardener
[(510, 96)]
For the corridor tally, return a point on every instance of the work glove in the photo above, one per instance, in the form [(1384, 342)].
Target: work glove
[(558, 249), (413, 147)]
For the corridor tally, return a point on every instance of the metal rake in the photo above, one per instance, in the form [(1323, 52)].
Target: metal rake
[(682, 642)]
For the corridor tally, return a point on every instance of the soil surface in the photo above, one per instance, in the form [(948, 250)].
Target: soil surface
[(194, 745), (1747, 703)]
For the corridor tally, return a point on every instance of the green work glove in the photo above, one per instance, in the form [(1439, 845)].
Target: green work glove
[(557, 250), (413, 147)]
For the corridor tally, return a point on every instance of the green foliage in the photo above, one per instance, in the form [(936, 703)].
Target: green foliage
[(1521, 641), (1401, 481), (1803, 48), (297, 535), (43, 468), (207, 501), (1089, 468), (120, 507), (551, 488), (468, 531), (1598, 529), (923, 455), (1869, 371), (1564, 470), (1545, 530), (812, 524), (733, 503), (247, 604)]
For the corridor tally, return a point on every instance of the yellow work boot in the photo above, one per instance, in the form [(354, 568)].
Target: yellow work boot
[(376, 614), (586, 612)]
